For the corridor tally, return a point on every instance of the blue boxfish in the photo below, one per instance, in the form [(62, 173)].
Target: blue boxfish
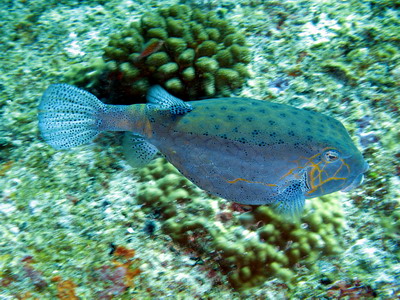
[(244, 150)]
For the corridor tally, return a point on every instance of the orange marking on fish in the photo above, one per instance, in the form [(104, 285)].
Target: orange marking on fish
[(150, 49), (248, 181), (148, 129), (317, 171)]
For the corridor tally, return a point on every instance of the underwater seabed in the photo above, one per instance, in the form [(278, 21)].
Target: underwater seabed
[(82, 224)]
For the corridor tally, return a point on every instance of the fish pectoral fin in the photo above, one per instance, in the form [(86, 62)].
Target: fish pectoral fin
[(290, 202), (159, 99), (138, 152)]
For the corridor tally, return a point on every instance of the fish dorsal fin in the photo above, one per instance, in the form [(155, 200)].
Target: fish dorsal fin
[(160, 99), (138, 152), (290, 202)]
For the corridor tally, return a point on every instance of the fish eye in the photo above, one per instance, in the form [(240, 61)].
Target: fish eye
[(331, 155)]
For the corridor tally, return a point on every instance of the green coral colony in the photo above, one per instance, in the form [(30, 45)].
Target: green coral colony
[(190, 53)]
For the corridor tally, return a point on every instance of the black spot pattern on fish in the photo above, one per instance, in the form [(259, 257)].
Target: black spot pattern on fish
[(249, 119)]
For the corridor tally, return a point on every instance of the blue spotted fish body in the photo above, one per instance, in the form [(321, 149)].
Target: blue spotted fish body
[(244, 150)]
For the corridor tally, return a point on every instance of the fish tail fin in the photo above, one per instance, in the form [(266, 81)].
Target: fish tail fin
[(69, 116)]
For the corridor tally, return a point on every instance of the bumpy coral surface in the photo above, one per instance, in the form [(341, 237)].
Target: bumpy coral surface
[(190, 53)]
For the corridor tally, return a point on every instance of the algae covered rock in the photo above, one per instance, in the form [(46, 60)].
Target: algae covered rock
[(190, 53)]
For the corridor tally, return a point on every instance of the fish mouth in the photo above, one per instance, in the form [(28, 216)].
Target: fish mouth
[(358, 180)]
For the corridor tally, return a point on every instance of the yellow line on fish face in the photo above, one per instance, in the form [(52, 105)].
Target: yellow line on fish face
[(309, 160), (317, 170)]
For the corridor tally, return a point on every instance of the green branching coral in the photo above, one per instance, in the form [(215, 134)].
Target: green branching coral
[(249, 248), (190, 53)]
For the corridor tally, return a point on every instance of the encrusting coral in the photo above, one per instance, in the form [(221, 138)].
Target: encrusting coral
[(190, 53), (250, 248)]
